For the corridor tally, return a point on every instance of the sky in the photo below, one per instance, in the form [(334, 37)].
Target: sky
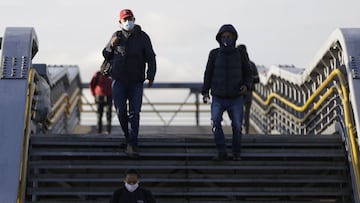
[(182, 32)]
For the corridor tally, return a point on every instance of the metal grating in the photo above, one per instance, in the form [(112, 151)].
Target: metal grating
[(14, 67), (355, 67)]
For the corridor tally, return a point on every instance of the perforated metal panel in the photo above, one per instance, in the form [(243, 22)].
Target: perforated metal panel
[(355, 67)]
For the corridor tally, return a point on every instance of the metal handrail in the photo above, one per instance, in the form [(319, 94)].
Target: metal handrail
[(25, 148), (73, 101), (176, 107), (349, 122)]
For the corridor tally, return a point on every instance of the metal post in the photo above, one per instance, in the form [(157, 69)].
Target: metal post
[(197, 106)]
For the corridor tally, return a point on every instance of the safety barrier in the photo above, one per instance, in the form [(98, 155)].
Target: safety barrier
[(52, 106), (164, 104), (36, 98), (64, 98), (321, 99)]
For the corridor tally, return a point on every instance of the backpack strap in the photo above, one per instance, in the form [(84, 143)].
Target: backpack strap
[(118, 35)]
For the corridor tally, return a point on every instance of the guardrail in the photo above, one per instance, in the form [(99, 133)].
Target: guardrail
[(320, 99), (163, 104)]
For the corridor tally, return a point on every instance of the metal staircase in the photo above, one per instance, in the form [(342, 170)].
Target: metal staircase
[(317, 160), (88, 168)]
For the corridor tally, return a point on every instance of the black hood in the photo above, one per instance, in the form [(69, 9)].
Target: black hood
[(226, 28), (137, 28)]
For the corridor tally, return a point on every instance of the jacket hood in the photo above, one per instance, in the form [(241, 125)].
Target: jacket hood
[(137, 28), (226, 28)]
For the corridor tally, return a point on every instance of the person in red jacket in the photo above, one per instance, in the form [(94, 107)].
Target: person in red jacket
[(100, 87)]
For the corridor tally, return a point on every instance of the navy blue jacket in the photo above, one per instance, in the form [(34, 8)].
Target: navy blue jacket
[(129, 57), (226, 71)]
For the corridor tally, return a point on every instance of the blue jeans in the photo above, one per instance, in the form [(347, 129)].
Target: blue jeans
[(234, 107), (127, 102)]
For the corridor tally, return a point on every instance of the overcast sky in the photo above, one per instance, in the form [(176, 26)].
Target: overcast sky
[(182, 32)]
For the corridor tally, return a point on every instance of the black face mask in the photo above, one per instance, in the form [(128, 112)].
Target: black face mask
[(227, 42)]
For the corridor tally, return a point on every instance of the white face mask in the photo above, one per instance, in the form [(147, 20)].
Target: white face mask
[(131, 188), (128, 25)]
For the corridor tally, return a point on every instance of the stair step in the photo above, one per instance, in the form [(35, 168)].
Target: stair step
[(288, 169), (72, 166), (175, 154), (116, 179), (250, 140), (208, 192), (184, 200)]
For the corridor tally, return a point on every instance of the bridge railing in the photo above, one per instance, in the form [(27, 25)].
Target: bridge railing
[(164, 104), (320, 99)]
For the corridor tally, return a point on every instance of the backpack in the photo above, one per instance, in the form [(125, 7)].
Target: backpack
[(105, 67), (96, 80)]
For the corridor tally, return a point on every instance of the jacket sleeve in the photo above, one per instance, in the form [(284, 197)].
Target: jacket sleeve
[(209, 72), (108, 50), (149, 58)]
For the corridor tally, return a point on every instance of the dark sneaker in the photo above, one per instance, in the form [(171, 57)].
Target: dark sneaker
[(135, 152), (236, 157), (132, 151), (220, 157), (123, 145)]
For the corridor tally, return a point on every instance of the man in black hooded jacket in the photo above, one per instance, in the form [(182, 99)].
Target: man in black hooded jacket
[(228, 76), (129, 50), (132, 192)]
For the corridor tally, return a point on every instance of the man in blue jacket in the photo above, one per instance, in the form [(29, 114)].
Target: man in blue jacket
[(228, 76), (129, 50)]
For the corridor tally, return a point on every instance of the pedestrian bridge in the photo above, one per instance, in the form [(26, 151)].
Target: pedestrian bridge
[(304, 148)]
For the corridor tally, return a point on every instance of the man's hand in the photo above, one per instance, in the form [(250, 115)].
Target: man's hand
[(243, 89), (150, 83), (206, 98)]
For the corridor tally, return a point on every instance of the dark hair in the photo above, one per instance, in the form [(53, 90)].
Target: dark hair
[(132, 171)]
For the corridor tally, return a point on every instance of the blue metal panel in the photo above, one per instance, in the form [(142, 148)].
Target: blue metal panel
[(12, 111), (18, 48)]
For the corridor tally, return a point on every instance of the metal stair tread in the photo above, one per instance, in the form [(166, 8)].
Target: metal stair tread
[(114, 179), (215, 191), (250, 153), (188, 167)]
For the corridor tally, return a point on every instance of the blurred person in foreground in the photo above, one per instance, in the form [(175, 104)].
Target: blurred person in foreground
[(132, 192)]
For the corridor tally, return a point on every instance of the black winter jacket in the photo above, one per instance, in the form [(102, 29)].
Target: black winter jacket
[(227, 71), (129, 57), (139, 195)]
